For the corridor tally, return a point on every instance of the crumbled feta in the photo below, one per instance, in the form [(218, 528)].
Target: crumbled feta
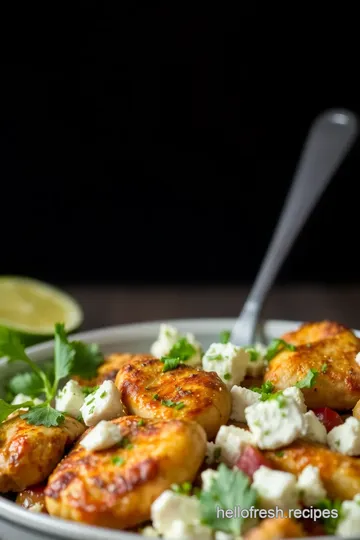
[(276, 422), (207, 478), (168, 336), (70, 399), (229, 362), (346, 437), (232, 440), (150, 532), (315, 430), (296, 394), (310, 486), (275, 488), (357, 358), (242, 398), (349, 524), (104, 404), (178, 516), (213, 453), (256, 367), (23, 398), (104, 435), (37, 508)]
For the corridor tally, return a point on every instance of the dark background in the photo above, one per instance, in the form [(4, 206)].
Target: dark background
[(156, 145)]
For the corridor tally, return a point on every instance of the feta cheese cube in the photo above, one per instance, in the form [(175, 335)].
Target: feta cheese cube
[(170, 506), (275, 489), (315, 430), (228, 361), (297, 395), (257, 362), (70, 399), (104, 404), (168, 336), (242, 398), (23, 398), (150, 532), (310, 486), (349, 525), (104, 435), (37, 508), (213, 453), (275, 423), (207, 478), (346, 437), (232, 441)]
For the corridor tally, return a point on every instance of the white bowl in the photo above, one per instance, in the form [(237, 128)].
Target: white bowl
[(17, 523)]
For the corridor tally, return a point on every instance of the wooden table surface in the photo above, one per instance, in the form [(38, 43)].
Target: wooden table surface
[(110, 305)]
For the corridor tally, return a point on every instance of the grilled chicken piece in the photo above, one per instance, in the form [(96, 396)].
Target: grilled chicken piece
[(28, 454), (340, 474), (108, 370), (275, 529), (33, 498), (338, 387), (99, 488), (184, 392)]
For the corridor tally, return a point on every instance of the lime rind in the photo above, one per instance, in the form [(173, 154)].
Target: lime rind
[(73, 313)]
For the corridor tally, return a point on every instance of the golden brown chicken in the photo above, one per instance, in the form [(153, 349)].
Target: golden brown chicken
[(28, 454), (116, 487), (340, 474), (275, 529), (330, 349), (184, 392), (108, 370), (33, 498)]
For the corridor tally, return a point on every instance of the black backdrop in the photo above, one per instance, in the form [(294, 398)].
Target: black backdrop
[(152, 145)]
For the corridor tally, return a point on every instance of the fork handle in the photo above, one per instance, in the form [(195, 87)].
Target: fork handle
[(329, 139)]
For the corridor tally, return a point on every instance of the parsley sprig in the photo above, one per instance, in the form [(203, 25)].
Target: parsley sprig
[(70, 358), (228, 489), (180, 352)]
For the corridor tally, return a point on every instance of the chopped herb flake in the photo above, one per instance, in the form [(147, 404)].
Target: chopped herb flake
[(225, 336), (309, 380), (276, 346)]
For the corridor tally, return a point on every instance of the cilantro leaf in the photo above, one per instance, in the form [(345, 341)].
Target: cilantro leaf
[(11, 346), (324, 368), (228, 489), (309, 380), (170, 363), (225, 336), (6, 409), (182, 350), (331, 523), (276, 346), (64, 354), (28, 383), (44, 415), (87, 359), (254, 354)]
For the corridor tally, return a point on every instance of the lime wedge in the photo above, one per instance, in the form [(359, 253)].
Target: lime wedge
[(32, 308)]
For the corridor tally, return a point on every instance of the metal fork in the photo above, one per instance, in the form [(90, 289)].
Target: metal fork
[(330, 138)]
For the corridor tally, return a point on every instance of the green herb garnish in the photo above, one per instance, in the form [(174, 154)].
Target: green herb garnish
[(276, 346), (180, 352), (324, 368), (228, 489), (173, 404), (182, 489), (309, 380), (117, 460), (254, 354), (331, 523), (225, 336)]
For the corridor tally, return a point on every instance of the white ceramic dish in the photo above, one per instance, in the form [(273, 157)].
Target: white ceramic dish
[(19, 524)]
